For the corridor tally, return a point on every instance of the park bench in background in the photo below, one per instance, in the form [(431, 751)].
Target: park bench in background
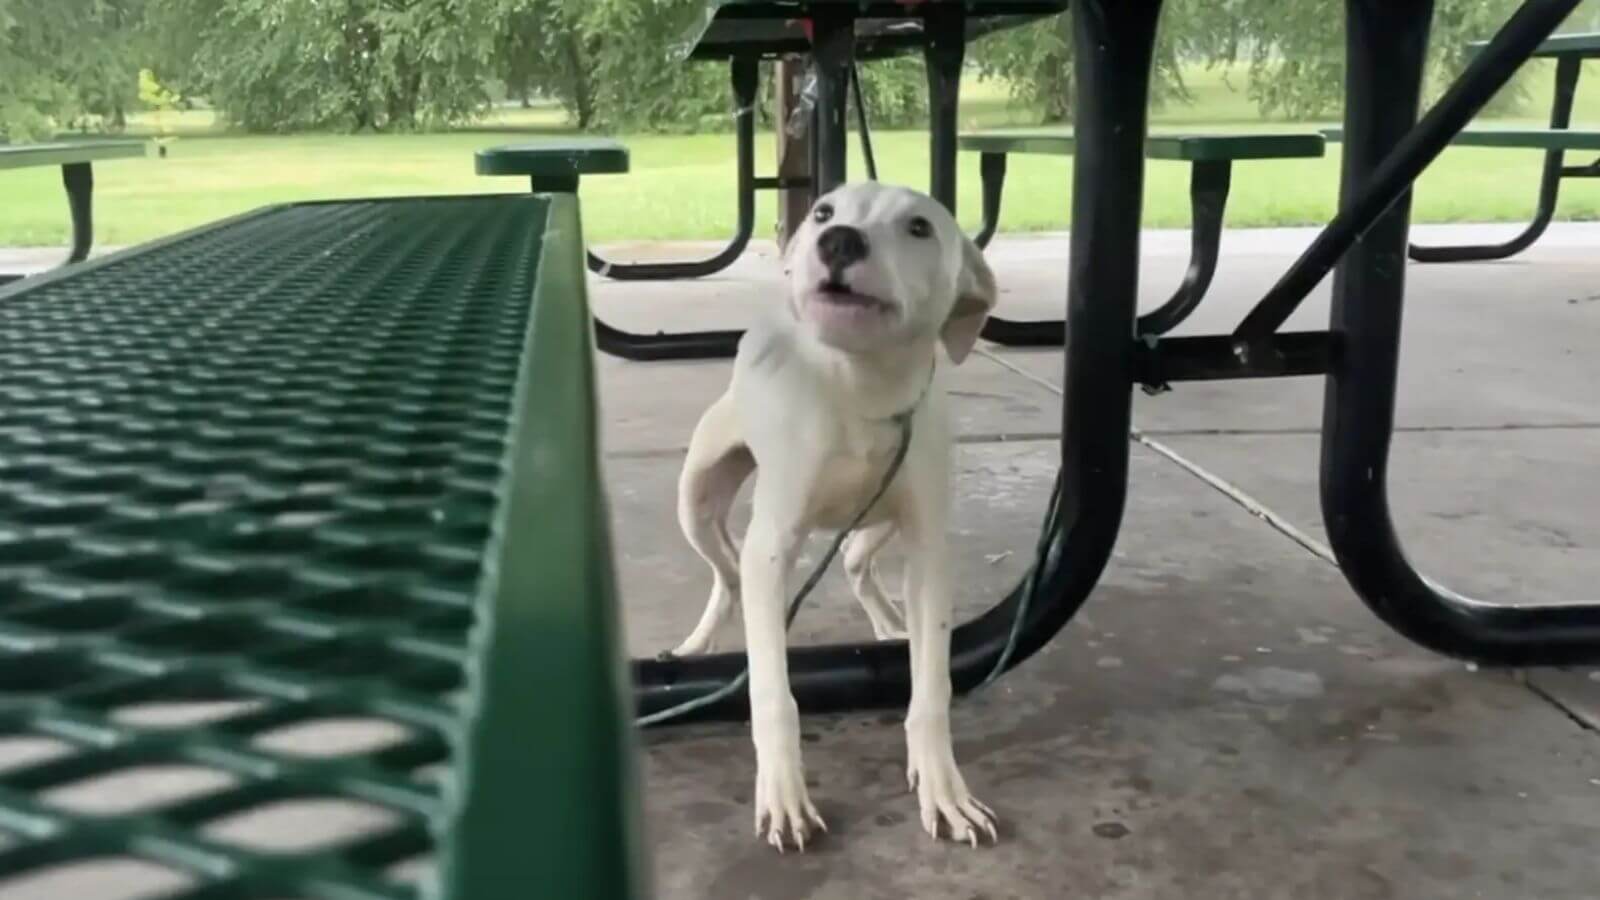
[(1569, 51), (324, 462), (1211, 158), (558, 165), (76, 160)]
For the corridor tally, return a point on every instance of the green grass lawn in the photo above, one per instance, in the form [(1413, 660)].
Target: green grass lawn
[(683, 186)]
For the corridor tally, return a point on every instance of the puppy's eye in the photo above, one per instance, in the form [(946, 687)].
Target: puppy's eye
[(920, 227), (822, 213)]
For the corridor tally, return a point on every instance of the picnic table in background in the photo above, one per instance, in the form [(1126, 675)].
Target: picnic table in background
[(834, 34), (76, 159), (1569, 51)]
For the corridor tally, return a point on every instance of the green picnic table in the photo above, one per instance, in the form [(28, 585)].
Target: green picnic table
[(76, 159), (834, 35), (321, 463), (1210, 157)]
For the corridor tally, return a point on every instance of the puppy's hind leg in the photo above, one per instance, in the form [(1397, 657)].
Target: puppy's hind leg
[(861, 551), (717, 465)]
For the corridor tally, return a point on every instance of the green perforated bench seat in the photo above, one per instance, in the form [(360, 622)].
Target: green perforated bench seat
[(1527, 138), (1186, 147), (305, 580)]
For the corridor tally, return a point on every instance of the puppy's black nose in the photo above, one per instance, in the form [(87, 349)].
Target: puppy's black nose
[(840, 245)]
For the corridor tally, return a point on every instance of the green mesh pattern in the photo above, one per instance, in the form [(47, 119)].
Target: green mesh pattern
[(246, 479)]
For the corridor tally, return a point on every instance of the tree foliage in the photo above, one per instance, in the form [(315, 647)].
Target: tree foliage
[(282, 65), (65, 62), (1293, 51)]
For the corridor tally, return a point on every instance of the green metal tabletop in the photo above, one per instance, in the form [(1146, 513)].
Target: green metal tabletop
[(770, 28), (16, 156), (327, 462)]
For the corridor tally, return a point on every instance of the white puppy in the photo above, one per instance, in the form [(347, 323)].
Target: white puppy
[(879, 278)]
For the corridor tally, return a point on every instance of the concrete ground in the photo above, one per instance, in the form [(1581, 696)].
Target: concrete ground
[(1224, 719)]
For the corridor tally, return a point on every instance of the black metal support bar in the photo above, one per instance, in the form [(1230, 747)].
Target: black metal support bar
[(1113, 46), (78, 179), (650, 347), (1212, 358), (943, 51), (1385, 44), (863, 127), (745, 73), (833, 39), (1209, 182), (1567, 71), (780, 183), (1592, 170), (1391, 180)]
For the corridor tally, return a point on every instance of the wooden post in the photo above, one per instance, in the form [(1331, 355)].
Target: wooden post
[(794, 151)]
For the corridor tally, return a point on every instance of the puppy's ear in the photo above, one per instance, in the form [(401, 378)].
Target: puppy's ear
[(975, 297)]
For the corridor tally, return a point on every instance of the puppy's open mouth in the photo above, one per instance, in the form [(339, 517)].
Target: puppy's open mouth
[(836, 293)]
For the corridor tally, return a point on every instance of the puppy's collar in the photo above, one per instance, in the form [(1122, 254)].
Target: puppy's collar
[(904, 415)]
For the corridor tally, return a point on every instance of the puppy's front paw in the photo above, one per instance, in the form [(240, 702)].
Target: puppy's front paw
[(784, 813), (942, 793), (695, 644)]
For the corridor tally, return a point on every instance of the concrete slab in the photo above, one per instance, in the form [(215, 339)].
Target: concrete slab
[(1224, 720)]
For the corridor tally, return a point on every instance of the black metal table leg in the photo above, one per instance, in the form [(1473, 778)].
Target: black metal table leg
[(1208, 200), (78, 179), (1209, 181), (1114, 43), (943, 50), (833, 52), (992, 171), (745, 75), (1567, 71), (1386, 40)]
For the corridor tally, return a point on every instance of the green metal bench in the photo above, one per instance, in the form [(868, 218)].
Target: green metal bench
[(559, 165), (1211, 158), (302, 467), (76, 160)]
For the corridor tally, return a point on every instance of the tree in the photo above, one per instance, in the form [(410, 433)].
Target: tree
[(65, 63), (1298, 71), (543, 44), (283, 65), (1294, 51), (1036, 60)]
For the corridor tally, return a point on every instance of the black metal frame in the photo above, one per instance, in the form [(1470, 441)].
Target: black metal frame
[(1209, 182), (78, 180), (1568, 68), (1385, 149), (745, 74)]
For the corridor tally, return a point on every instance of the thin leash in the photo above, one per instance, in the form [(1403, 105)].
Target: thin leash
[(904, 419)]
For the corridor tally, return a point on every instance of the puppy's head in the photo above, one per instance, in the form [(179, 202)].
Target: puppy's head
[(877, 266)]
